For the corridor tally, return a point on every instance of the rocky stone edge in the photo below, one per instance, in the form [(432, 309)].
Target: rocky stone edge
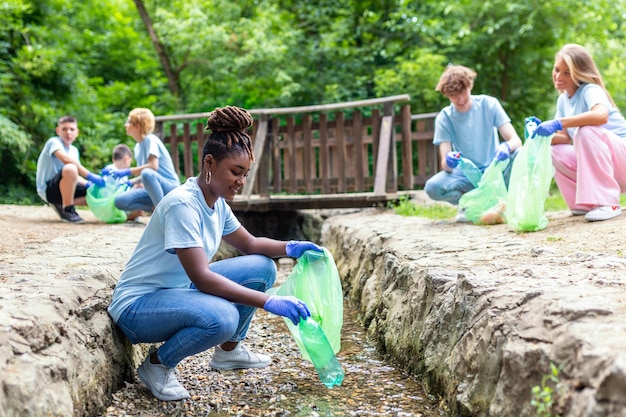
[(446, 302), (60, 355)]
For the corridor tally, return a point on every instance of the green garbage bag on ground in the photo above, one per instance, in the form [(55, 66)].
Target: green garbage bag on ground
[(529, 185), (315, 280), (486, 203), (101, 202)]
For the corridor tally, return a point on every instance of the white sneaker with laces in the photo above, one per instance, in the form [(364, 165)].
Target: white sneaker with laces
[(238, 358), (603, 213), (460, 217), (161, 380)]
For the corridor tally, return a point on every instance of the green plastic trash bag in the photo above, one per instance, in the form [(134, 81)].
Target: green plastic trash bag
[(101, 202), (315, 280), (529, 185), (471, 171), (486, 203)]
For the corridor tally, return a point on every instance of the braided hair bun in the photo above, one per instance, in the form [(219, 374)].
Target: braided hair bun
[(228, 127)]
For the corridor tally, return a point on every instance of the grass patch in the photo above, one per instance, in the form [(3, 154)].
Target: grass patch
[(405, 207)]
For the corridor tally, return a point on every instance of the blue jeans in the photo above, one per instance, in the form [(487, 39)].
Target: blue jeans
[(190, 321), (450, 186), (155, 187)]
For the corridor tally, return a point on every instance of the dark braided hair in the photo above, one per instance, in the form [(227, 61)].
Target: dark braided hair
[(228, 133)]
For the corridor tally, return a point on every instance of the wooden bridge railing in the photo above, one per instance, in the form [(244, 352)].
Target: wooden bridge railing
[(353, 154)]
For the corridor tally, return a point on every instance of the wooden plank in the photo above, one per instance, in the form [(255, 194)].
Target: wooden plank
[(174, 147), (340, 138), (187, 155), (359, 163), (375, 137), (407, 151), (324, 155), (307, 150), (200, 140), (277, 165), (392, 166), (384, 148), (315, 201), (290, 163), (259, 149)]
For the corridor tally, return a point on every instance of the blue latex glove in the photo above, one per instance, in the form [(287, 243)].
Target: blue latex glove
[(126, 184), (548, 128), (287, 306), (88, 184), (106, 171), (503, 151), (119, 173), (295, 248), (95, 179), (453, 158), (533, 119)]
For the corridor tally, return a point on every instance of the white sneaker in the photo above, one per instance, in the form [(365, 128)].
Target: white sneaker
[(603, 213), (238, 358), (161, 380), (460, 217)]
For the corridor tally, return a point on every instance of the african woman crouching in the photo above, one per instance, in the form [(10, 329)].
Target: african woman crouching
[(168, 291)]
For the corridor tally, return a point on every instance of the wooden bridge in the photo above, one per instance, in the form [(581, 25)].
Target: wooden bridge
[(342, 155)]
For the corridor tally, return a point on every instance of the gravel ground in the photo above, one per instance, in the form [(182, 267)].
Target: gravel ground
[(289, 386)]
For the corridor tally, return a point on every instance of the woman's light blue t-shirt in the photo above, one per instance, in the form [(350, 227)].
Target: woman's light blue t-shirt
[(181, 220), (152, 145), (473, 133), (583, 100)]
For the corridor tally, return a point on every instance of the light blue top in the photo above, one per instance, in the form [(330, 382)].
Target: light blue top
[(473, 133), (48, 165), (587, 96), (152, 145), (181, 220)]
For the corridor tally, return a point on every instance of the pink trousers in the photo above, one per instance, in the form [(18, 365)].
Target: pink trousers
[(592, 172)]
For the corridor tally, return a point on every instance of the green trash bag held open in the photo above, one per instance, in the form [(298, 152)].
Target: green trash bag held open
[(486, 203), (101, 202), (529, 185), (315, 280)]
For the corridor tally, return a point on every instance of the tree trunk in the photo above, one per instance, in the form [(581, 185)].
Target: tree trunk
[(172, 77)]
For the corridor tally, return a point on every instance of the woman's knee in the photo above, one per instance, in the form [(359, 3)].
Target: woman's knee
[(266, 268), (148, 173)]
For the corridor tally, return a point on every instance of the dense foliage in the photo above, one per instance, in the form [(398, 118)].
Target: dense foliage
[(96, 60)]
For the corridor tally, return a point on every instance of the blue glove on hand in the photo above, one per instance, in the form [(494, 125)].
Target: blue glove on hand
[(453, 158), (287, 306), (95, 179), (120, 173), (106, 171), (88, 184), (295, 248), (548, 128), (126, 184), (533, 119), (503, 151)]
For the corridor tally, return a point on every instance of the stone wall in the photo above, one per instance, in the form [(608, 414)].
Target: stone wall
[(480, 312)]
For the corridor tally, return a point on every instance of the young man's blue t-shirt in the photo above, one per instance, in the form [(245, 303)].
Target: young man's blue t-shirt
[(48, 165), (473, 133)]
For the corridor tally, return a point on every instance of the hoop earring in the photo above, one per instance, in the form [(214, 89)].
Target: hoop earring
[(207, 178)]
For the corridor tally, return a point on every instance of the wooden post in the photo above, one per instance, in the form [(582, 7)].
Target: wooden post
[(259, 148), (407, 151)]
